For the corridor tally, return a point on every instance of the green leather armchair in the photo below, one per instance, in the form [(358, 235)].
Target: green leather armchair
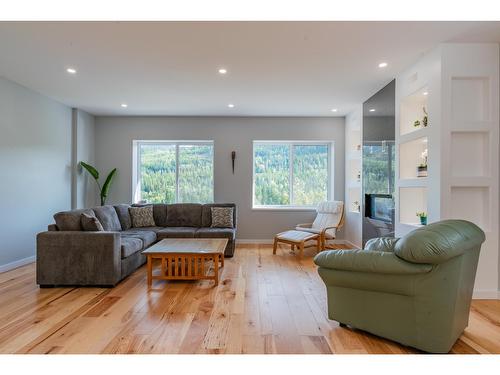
[(415, 290)]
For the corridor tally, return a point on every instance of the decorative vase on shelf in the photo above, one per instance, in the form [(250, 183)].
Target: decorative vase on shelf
[(422, 170), (423, 220)]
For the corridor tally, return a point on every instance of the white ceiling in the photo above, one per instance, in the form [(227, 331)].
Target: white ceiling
[(170, 68)]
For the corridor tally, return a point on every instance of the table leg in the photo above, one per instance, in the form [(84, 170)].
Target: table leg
[(275, 245), (301, 248), (216, 270), (221, 260), (150, 271)]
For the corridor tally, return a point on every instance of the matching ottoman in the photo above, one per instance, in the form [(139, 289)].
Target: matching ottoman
[(297, 238)]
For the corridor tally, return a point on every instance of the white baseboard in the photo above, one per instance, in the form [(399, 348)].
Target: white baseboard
[(486, 294), (16, 264)]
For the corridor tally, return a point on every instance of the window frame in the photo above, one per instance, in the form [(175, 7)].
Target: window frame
[(292, 207), (136, 162)]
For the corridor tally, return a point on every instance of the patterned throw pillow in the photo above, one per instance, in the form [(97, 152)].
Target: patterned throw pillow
[(90, 223), (222, 217), (142, 216)]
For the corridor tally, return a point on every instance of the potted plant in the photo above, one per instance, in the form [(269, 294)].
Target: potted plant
[(422, 170), (423, 217), (104, 189)]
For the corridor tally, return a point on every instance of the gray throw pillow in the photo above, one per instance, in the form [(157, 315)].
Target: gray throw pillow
[(90, 223), (142, 216), (222, 217)]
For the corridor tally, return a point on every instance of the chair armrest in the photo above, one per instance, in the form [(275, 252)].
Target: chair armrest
[(304, 225), (78, 258), (381, 244), (368, 261)]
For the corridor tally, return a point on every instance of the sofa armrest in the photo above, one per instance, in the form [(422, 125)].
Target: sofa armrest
[(78, 258), (368, 262), (381, 244)]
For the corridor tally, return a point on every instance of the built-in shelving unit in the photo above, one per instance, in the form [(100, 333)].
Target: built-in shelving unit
[(456, 86)]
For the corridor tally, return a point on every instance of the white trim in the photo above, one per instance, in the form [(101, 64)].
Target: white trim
[(17, 264), (486, 294)]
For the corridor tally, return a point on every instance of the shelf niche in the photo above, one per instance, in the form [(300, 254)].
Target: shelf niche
[(411, 157), (354, 195), (411, 201), (470, 154), (411, 110), (471, 203)]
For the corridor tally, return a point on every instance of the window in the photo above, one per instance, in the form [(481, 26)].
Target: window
[(290, 174), (174, 172)]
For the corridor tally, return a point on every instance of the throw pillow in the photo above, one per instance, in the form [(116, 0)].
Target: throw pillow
[(222, 217), (142, 216), (90, 223)]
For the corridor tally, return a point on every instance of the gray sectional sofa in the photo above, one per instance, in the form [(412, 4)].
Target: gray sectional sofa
[(67, 255)]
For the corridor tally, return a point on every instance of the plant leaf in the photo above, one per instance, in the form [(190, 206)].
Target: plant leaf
[(90, 169), (107, 184)]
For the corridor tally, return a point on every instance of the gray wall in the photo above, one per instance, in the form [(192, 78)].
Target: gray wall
[(35, 155), (86, 192), (114, 136)]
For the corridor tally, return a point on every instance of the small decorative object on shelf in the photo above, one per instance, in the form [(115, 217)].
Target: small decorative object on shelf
[(422, 168), (358, 148), (356, 206), (422, 123), (423, 217), (358, 176)]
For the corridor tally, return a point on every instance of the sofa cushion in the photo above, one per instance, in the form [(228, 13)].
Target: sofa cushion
[(142, 216), (176, 232), (90, 223), (222, 217), (123, 216), (147, 237), (130, 245), (160, 214), (228, 233), (149, 229), (71, 220), (206, 214), (184, 215), (108, 218)]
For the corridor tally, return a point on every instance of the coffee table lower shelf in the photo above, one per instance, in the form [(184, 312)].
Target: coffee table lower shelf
[(185, 266)]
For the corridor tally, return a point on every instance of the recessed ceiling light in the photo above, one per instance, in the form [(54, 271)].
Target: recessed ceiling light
[(222, 71), (71, 70), (124, 105), (334, 109), (382, 65), (425, 93), (230, 105), (372, 110)]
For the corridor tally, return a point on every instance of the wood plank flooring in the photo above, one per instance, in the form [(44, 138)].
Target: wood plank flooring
[(263, 304)]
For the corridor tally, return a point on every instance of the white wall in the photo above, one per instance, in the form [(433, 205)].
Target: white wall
[(35, 155), (114, 136), (86, 192)]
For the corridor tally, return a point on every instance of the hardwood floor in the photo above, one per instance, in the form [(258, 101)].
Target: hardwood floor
[(263, 304)]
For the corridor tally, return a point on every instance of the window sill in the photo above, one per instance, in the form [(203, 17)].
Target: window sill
[(289, 209)]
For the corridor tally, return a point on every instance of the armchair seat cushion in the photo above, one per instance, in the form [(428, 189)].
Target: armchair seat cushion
[(228, 233), (147, 237), (176, 232), (130, 245)]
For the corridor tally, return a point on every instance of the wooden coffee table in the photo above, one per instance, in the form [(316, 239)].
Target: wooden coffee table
[(186, 259)]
